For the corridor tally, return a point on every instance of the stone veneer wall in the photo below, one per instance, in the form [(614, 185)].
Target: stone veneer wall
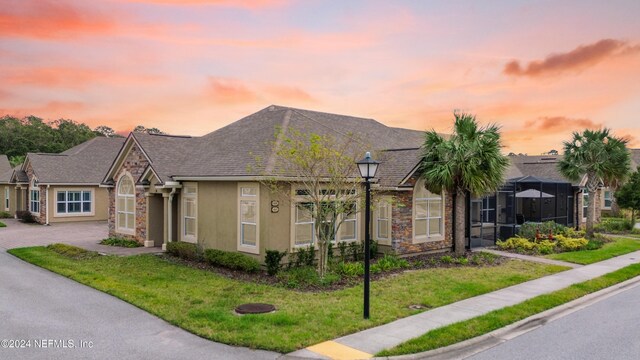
[(135, 163), (402, 226), (42, 217), (598, 199)]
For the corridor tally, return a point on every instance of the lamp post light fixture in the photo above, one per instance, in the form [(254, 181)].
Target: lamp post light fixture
[(368, 168)]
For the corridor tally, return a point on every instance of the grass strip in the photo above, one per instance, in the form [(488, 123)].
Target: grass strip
[(202, 302), (619, 246), (497, 319)]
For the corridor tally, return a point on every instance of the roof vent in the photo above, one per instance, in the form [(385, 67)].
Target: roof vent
[(549, 158)]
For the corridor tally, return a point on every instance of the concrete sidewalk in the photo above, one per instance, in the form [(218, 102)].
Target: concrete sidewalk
[(365, 344)]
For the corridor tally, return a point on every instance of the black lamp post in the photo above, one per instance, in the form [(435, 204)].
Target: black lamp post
[(368, 168)]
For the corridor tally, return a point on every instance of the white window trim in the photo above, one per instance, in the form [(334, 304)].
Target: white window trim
[(183, 236), (7, 195), (242, 247), (376, 231), (119, 229), (33, 188), (297, 199), (428, 238), (80, 214)]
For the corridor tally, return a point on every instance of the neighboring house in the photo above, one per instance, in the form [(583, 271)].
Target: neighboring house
[(7, 196), (65, 187), (608, 203), (207, 190)]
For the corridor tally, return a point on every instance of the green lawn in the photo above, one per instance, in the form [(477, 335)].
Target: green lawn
[(497, 319), (2, 224), (619, 246), (202, 302)]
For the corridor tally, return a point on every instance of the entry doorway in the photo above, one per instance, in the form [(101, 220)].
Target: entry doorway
[(155, 206)]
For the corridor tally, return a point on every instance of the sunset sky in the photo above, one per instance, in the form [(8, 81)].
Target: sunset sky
[(540, 69)]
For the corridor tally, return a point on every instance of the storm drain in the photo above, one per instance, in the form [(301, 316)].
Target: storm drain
[(255, 308)]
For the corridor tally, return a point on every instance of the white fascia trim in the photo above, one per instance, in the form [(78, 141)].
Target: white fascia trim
[(70, 184), (246, 178), (413, 171)]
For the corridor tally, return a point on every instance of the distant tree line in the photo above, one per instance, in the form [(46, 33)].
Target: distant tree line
[(18, 136)]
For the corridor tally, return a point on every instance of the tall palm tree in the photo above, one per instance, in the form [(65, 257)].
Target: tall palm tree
[(601, 157), (467, 162)]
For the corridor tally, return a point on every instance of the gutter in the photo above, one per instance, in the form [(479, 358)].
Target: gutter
[(46, 204)]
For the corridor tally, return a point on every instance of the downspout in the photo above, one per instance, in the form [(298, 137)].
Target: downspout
[(46, 204)]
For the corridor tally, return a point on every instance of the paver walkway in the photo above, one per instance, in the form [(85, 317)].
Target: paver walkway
[(364, 344), (84, 234), (530, 258)]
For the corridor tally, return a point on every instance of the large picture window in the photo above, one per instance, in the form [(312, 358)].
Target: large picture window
[(248, 217), (125, 205), (189, 212), (34, 199), (428, 211), (74, 202)]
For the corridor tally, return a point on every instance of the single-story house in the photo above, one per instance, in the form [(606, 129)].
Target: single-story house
[(65, 187), (207, 190), (6, 189)]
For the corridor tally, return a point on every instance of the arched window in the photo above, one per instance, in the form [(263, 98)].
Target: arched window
[(125, 205), (428, 214)]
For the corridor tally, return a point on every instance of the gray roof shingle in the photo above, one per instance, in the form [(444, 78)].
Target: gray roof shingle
[(84, 164), (5, 170)]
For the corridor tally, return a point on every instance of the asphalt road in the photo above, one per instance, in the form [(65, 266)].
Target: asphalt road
[(608, 329), (39, 308)]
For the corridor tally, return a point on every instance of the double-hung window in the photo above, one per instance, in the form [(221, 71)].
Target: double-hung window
[(382, 224), (427, 214), (74, 202), (7, 194), (585, 204), (608, 199), (189, 212), (34, 199), (248, 217)]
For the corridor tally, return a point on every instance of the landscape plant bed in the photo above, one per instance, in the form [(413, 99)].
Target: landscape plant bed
[(120, 242), (468, 329), (2, 224), (417, 262), (202, 302)]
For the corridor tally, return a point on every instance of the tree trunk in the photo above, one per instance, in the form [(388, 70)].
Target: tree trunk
[(459, 234)]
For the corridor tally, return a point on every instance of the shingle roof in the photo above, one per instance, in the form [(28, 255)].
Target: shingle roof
[(5, 169), (233, 149), (84, 164), (542, 166), (396, 164)]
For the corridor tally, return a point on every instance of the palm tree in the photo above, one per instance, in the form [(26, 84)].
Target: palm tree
[(467, 162), (601, 157)]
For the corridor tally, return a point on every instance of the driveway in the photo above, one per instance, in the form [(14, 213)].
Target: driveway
[(39, 307), (82, 234)]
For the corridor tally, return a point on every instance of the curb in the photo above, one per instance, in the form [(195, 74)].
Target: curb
[(484, 342)]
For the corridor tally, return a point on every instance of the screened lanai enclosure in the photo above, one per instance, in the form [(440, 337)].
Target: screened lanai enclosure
[(519, 200)]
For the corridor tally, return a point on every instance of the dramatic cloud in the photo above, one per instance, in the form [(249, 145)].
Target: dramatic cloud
[(70, 77), (49, 19), (579, 58), (560, 124), (234, 91), (289, 94)]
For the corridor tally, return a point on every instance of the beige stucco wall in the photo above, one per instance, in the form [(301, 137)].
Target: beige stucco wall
[(218, 218), (100, 204), (12, 198)]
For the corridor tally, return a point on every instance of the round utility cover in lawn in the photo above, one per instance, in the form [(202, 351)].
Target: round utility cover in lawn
[(255, 308)]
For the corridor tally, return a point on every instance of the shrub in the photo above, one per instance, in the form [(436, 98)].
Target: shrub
[(26, 217), (389, 262), (2, 224), (231, 260), (462, 260), (73, 252), (342, 247), (529, 230), (184, 250), (571, 244), (5, 215), (373, 250), (354, 251), (273, 261), (350, 269), (516, 243), (446, 259), (303, 257), (614, 225), (306, 276), (546, 247), (121, 242)]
